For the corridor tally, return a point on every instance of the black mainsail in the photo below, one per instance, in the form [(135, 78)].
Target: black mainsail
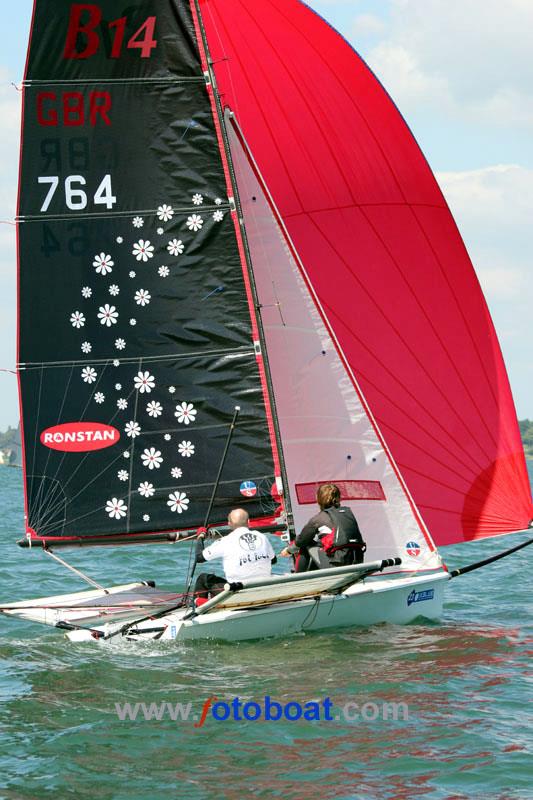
[(137, 328)]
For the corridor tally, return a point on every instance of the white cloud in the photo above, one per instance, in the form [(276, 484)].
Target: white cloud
[(471, 59), (367, 25)]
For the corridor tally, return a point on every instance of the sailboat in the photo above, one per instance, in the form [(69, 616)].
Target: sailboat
[(238, 281)]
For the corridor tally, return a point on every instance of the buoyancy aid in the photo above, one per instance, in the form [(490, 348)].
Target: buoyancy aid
[(344, 545)]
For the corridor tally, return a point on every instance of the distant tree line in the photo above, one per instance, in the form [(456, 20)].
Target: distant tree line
[(526, 431)]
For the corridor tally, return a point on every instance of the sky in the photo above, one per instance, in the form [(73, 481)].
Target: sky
[(461, 73)]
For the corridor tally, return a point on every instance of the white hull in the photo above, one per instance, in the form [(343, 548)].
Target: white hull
[(371, 602)]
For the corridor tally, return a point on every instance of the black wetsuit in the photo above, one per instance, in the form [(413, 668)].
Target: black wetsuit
[(310, 536)]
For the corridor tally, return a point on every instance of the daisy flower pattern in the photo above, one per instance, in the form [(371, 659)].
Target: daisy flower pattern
[(186, 449), (107, 315), (186, 413), (142, 297), (119, 239), (116, 508), (123, 475), (118, 386), (132, 429), (218, 201), (175, 247), (165, 212), (132, 273), (122, 403), (163, 272), (120, 344), (116, 362), (143, 250), (154, 409), (144, 382), (126, 453), (167, 437), (146, 489), (152, 458), (86, 347), (114, 290), (86, 292), (218, 216), (99, 398), (171, 389), (103, 264), (197, 199), (137, 222), (178, 502), (194, 222), (88, 374), (160, 231), (133, 321), (176, 472), (77, 319), (146, 517)]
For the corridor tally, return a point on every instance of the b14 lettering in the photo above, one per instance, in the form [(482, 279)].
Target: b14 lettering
[(86, 18), (76, 198)]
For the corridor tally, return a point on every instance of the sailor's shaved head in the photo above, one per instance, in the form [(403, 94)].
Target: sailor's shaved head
[(238, 518)]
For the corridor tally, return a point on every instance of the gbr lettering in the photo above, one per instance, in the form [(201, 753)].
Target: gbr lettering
[(72, 109), (83, 30)]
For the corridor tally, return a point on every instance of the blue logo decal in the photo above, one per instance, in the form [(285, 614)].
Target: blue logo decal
[(248, 489), (419, 597), (413, 549)]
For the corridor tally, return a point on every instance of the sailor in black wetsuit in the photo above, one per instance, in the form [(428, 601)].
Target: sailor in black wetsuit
[(331, 538)]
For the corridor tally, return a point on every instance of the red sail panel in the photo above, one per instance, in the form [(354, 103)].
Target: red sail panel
[(384, 256)]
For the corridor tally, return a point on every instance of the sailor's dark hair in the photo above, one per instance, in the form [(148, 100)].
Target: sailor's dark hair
[(328, 495)]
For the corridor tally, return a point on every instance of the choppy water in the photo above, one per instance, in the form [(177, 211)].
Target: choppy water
[(466, 682)]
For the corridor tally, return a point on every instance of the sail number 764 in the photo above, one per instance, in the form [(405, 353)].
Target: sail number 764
[(76, 197)]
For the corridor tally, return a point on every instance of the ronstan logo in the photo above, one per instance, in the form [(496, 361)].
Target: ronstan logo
[(80, 437)]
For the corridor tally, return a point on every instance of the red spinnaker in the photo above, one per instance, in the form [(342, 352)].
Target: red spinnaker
[(385, 257)]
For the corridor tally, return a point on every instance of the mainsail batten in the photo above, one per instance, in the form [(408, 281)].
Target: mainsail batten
[(125, 220)]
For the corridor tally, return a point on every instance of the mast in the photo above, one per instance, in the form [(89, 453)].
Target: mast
[(261, 346)]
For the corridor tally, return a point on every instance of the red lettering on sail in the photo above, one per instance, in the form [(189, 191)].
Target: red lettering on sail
[(87, 29), (80, 437), (73, 108)]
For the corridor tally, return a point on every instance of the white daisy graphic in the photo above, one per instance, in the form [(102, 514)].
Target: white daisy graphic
[(197, 199), (116, 508), (88, 374), (137, 222), (176, 472), (154, 409), (133, 321), (146, 517), (146, 489), (99, 397), (123, 475), (178, 502), (186, 413), (167, 437), (143, 250), (171, 389), (126, 453), (119, 239), (160, 231), (116, 362), (118, 386), (114, 290), (186, 449), (218, 216), (107, 315), (86, 347), (103, 263), (165, 212), (163, 272), (194, 222), (144, 382), (77, 319), (120, 344), (122, 403), (142, 297), (86, 292), (132, 429), (175, 247), (152, 458), (132, 273), (218, 201)]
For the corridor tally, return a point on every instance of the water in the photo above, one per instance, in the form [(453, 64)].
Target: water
[(465, 682)]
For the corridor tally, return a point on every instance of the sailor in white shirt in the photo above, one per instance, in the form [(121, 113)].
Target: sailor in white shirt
[(244, 553)]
